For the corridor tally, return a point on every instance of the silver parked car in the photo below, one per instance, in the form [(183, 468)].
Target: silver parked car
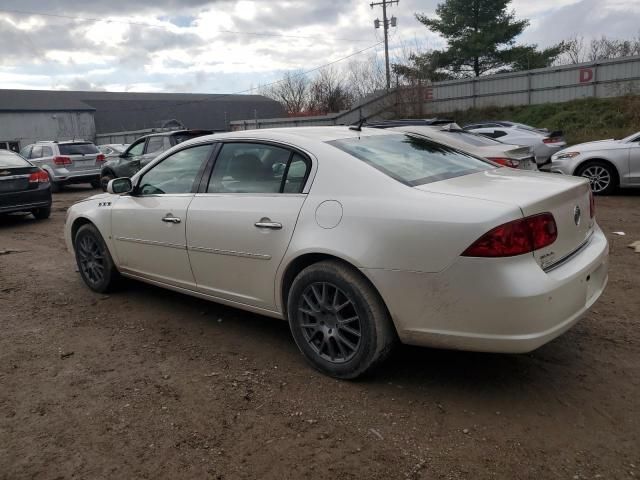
[(608, 164), (514, 156), (357, 237), (543, 142), (73, 161)]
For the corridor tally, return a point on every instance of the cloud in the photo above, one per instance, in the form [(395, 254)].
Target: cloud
[(192, 47)]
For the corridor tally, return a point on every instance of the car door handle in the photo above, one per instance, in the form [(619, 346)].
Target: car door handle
[(267, 223), (171, 219)]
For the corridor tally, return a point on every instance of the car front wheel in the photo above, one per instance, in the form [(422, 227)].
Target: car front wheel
[(602, 177), (41, 213), (94, 260), (104, 181), (338, 320)]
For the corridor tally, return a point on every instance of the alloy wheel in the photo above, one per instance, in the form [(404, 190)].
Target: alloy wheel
[(598, 176), (329, 321), (91, 258)]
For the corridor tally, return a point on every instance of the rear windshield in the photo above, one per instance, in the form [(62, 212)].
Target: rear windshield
[(471, 138), (410, 159), (77, 148), (183, 137), (9, 159)]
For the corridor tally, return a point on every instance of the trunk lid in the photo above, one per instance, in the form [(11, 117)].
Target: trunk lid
[(567, 198), (16, 179)]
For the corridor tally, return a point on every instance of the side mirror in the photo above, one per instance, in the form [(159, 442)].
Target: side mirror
[(120, 185)]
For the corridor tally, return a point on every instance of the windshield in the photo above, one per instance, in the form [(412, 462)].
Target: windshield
[(635, 137), (77, 148), (410, 159), (10, 159)]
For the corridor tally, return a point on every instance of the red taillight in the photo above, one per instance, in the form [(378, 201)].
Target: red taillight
[(515, 238), (100, 158), (551, 140), (592, 204), (39, 177), (62, 160), (506, 162)]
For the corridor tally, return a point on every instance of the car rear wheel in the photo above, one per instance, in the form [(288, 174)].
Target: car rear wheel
[(338, 320), (55, 187), (42, 213), (96, 183), (104, 181), (94, 261), (602, 177)]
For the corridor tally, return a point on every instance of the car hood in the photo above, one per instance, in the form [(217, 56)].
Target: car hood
[(99, 196), (609, 144)]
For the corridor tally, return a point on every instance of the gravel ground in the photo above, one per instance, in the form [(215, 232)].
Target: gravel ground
[(147, 383)]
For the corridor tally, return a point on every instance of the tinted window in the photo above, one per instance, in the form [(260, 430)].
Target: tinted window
[(176, 173), (36, 152), (471, 139), (26, 151), (137, 148), (155, 145), (183, 137), (8, 159), (410, 159), (258, 168), (77, 148)]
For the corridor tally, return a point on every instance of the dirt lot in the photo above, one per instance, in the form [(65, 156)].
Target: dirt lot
[(147, 383)]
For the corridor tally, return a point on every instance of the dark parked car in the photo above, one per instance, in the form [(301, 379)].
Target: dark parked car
[(23, 186), (142, 151)]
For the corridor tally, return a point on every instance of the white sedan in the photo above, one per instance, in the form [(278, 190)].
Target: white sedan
[(356, 237)]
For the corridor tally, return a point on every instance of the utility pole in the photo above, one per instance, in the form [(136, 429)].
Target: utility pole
[(393, 21)]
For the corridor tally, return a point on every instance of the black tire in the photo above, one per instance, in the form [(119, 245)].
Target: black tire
[(94, 260), (41, 213), (326, 335), (602, 176), (96, 183), (105, 179)]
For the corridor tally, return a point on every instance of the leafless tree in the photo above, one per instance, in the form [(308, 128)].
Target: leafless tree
[(292, 92), (602, 48), (329, 92), (364, 77)]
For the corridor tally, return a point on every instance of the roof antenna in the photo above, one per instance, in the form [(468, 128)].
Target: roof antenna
[(358, 127)]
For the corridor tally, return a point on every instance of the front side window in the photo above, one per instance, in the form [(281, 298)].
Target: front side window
[(258, 168), (136, 149), (411, 159), (26, 151), (175, 174)]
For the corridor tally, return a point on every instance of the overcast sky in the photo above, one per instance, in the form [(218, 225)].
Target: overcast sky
[(194, 47)]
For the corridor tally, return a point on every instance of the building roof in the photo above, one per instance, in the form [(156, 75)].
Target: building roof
[(125, 111)]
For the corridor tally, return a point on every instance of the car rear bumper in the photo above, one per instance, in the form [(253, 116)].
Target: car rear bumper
[(505, 305), (64, 176), (25, 201)]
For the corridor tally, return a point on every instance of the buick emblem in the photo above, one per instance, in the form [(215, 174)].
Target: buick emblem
[(577, 215)]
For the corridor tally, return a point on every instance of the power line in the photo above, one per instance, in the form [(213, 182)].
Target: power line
[(220, 96), (385, 24), (165, 27)]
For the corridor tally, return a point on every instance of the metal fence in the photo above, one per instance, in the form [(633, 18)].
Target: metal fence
[(606, 78)]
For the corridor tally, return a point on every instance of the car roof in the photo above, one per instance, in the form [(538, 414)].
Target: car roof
[(319, 134)]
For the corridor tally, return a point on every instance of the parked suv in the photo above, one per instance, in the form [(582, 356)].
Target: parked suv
[(142, 151), (74, 161)]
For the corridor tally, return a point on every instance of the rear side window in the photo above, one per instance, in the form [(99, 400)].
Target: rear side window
[(36, 152), (47, 152), (155, 145), (410, 159), (8, 159), (77, 148), (472, 139)]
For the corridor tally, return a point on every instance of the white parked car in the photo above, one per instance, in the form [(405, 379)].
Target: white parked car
[(514, 156), (356, 237), (543, 142), (608, 164)]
